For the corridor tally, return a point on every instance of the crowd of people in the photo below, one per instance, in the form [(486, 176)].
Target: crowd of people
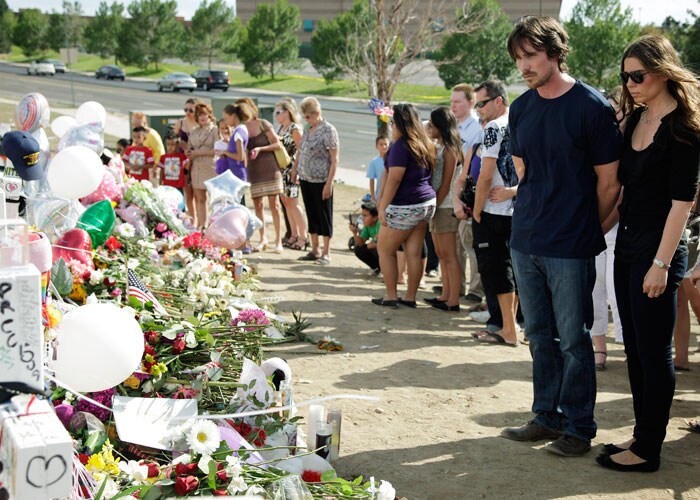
[(543, 212)]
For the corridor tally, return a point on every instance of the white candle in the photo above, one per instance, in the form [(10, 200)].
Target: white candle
[(316, 413)]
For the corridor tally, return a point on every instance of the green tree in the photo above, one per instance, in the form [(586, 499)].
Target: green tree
[(151, 34), (30, 31), (7, 27), (101, 33), (55, 33), (481, 54), (336, 40), (73, 22), (380, 42), (269, 42), (212, 32), (599, 31)]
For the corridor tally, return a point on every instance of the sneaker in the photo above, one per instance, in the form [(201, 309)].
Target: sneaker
[(569, 446), (432, 273), (422, 285), (532, 431), (479, 316), (323, 260)]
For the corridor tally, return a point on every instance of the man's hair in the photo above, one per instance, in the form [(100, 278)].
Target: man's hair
[(543, 33), (494, 88), (124, 143), (138, 130), (371, 207), (381, 137), (466, 88)]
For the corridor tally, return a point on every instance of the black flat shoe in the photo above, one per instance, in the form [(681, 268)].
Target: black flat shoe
[(408, 303), (609, 463), (386, 303), (611, 449), (444, 307), (433, 300)]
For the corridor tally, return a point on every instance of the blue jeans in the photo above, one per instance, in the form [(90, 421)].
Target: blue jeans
[(556, 298)]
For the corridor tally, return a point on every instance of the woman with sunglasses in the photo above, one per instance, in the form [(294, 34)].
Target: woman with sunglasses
[(406, 204), (183, 127), (659, 172)]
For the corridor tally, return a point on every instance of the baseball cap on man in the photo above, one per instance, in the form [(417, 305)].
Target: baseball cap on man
[(23, 151)]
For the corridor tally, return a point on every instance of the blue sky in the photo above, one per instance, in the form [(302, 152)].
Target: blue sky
[(646, 11)]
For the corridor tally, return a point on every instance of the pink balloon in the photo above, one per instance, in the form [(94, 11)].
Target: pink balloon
[(40, 253), (74, 245), (107, 190), (229, 229)]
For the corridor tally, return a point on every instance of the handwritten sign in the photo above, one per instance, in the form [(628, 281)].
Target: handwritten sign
[(21, 337), (149, 421)]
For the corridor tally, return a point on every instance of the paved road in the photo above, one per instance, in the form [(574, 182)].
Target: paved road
[(356, 126)]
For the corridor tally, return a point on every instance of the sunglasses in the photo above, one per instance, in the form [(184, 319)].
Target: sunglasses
[(279, 111), (188, 110), (635, 76), (483, 103)]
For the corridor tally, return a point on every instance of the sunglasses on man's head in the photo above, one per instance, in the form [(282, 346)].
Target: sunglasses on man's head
[(483, 103), (635, 76)]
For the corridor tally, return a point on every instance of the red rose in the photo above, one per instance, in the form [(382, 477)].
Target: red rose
[(152, 338), (311, 476), (182, 469), (147, 349), (186, 484), (153, 469), (219, 493), (179, 346), (83, 458), (222, 476), (112, 244)]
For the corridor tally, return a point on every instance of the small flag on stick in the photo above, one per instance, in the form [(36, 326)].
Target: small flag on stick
[(141, 293)]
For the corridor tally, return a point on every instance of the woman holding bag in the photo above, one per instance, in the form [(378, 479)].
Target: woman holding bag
[(265, 177)]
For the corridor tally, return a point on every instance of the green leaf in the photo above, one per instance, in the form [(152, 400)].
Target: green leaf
[(101, 491), (128, 491), (346, 489), (211, 477), (61, 277), (357, 481), (328, 476)]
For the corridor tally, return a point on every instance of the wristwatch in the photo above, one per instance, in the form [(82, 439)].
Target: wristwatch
[(660, 263)]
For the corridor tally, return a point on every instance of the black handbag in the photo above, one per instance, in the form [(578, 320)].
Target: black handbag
[(468, 194)]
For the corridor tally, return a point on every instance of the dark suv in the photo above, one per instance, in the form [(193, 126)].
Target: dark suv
[(211, 79), (110, 72)]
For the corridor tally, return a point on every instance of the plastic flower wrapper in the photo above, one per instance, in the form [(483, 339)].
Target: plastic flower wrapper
[(141, 194)]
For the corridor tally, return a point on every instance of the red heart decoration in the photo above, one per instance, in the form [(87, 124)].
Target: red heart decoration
[(75, 244)]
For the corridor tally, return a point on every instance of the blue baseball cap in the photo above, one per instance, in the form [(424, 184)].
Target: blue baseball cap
[(23, 151)]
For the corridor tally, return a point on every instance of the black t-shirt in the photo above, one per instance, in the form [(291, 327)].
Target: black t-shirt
[(664, 171), (560, 141)]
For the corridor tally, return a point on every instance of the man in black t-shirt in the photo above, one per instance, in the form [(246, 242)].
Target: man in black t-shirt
[(565, 145)]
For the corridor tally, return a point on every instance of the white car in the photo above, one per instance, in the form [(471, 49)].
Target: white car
[(41, 67), (176, 82)]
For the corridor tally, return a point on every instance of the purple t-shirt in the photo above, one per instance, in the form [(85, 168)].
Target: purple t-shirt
[(236, 167), (415, 185)]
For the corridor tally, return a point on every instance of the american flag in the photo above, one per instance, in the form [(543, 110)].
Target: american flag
[(139, 291)]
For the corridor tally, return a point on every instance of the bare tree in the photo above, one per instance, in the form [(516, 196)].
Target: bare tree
[(384, 40)]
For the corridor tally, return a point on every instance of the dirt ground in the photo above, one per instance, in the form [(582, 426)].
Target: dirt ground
[(445, 397)]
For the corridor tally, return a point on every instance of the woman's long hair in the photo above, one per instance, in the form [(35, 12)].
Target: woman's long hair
[(445, 122), (658, 56), (409, 125)]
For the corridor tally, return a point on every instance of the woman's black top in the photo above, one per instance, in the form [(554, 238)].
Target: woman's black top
[(666, 170)]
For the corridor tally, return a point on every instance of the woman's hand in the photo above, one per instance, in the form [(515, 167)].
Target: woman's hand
[(501, 193), (382, 215), (655, 281), (695, 276), (461, 211), (254, 153), (327, 191)]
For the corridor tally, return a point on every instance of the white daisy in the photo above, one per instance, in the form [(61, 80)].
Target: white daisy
[(126, 230), (204, 437)]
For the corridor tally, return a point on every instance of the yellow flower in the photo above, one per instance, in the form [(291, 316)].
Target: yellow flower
[(159, 369), (54, 316), (78, 293), (149, 358), (132, 382), (96, 463)]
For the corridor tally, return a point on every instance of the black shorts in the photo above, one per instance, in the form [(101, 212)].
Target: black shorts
[(492, 248)]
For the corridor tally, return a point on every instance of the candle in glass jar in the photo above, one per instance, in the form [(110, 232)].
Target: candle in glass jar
[(316, 413)]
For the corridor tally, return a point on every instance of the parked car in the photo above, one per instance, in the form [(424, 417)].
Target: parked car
[(176, 82), (110, 72), (211, 79), (59, 66), (41, 67)]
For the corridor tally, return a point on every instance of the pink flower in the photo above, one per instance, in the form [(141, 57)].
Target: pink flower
[(161, 227), (117, 292)]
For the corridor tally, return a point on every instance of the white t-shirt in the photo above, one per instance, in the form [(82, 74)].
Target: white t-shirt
[(494, 144), (470, 133)]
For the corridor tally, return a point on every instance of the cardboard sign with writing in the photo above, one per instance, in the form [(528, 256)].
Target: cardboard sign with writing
[(21, 333)]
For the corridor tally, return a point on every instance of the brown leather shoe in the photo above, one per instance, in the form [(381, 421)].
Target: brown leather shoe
[(569, 446), (531, 431)]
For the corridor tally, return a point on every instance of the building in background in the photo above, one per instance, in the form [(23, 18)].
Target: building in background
[(314, 10)]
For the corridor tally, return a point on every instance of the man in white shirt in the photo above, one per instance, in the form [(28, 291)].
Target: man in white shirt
[(462, 105), (493, 208)]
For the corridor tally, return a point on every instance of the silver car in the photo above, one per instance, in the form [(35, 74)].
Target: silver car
[(176, 82), (41, 67)]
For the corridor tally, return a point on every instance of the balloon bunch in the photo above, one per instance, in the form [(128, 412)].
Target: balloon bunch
[(384, 113), (232, 223)]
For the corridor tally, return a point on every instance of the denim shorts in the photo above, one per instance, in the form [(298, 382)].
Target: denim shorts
[(406, 217)]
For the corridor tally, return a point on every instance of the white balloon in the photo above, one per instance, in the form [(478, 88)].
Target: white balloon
[(62, 124), (91, 112), (76, 171), (99, 346)]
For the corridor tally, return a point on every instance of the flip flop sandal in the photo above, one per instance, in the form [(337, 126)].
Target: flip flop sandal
[(497, 340), (693, 425), (482, 333)]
